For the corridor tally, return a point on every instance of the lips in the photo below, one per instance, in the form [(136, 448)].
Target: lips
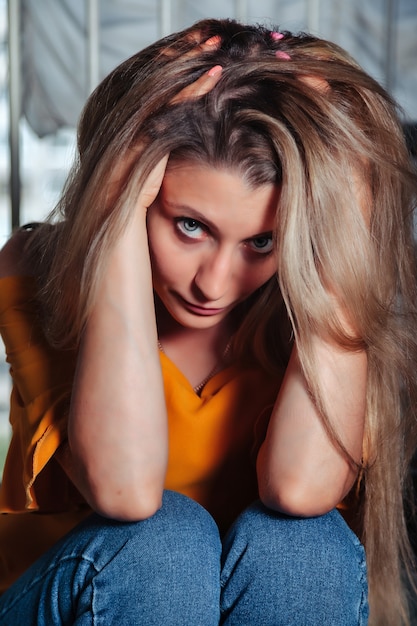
[(198, 309)]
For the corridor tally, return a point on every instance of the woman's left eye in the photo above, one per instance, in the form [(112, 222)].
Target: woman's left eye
[(262, 245), (189, 227)]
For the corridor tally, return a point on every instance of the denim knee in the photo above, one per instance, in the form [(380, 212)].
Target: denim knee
[(165, 569), (279, 570)]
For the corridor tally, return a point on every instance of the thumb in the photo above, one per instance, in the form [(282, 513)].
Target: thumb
[(153, 183)]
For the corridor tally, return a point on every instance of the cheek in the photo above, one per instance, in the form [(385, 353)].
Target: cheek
[(257, 277), (162, 271), (157, 255), (158, 241), (168, 267)]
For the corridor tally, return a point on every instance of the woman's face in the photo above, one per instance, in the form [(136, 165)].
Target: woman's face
[(210, 238)]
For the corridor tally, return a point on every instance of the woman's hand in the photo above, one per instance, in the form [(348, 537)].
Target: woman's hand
[(152, 185), (199, 88)]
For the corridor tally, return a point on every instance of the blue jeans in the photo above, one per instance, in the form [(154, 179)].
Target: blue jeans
[(172, 570)]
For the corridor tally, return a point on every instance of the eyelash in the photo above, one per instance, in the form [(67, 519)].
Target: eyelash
[(198, 226), (261, 250), (180, 223)]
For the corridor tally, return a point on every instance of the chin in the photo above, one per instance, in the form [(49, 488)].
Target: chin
[(198, 322)]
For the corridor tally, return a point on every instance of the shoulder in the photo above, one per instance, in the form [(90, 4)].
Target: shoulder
[(13, 257)]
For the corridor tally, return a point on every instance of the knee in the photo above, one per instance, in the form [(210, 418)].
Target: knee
[(185, 526), (326, 537), (177, 551), (181, 531), (298, 560), (163, 570), (180, 526)]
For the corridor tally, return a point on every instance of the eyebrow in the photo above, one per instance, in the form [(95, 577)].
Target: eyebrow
[(199, 217)]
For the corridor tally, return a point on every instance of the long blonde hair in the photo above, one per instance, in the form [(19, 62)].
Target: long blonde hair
[(310, 120)]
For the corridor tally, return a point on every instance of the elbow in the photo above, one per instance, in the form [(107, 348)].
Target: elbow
[(298, 499), (125, 506), (127, 492), (127, 497), (307, 490)]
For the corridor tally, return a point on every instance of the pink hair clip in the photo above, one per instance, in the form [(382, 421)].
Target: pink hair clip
[(275, 35), (280, 54)]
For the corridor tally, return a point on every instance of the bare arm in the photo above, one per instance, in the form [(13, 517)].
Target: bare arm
[(117, 430), (117, 423), (300, 471), (116, 451)]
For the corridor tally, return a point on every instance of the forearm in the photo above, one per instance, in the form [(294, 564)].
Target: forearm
[(117, 424), (301, 471)]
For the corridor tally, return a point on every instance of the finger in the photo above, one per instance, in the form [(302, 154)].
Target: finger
[(209, 45), (200, 87), (212, 43), (153, 183), (316, 82), (182, 47), (192, 45)]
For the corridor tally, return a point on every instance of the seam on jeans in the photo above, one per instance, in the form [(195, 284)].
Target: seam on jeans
[(363, 605), (42, 576), (227, 572)]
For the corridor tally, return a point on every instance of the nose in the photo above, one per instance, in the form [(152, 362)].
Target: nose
[(214, 276)]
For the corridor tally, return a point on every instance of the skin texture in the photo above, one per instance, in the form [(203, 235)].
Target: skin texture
[(219, 232)]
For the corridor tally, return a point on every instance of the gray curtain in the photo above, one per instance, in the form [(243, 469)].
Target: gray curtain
[(381, 35)]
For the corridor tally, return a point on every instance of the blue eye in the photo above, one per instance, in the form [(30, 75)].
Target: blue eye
[(262, 245), (189, 227)]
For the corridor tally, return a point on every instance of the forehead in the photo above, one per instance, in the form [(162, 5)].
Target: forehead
[(220, 196)]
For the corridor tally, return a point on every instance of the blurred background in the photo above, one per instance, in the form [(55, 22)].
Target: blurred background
[(54, 52)]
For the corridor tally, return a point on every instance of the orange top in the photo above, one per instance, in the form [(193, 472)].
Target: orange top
[(213, 438)]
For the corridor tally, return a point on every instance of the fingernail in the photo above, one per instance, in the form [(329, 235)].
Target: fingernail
[(213, 41), (215, 70), (280, 54), (275, 35)]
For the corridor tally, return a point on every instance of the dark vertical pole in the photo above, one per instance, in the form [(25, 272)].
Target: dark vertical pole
[(15, 108)]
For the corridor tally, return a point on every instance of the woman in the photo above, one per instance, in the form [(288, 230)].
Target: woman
[(221, 307)]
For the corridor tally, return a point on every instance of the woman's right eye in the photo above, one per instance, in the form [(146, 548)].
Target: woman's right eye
[(189, 227)]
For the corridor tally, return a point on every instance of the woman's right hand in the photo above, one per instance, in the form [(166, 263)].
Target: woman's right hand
[(117, 427), (199, 88)]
